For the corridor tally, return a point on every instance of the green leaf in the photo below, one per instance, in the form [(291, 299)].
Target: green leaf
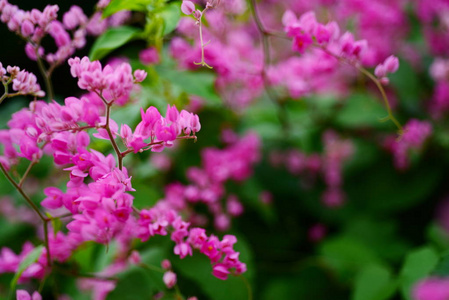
[(171, 14), (119, 5), (361, 111), (30, 259), (251, 190), (153, 257), (347, 256), (408, 85), (134, 283), (390, 191), (112, 39), (442, 269), (418, 264), (84, 256), (56, 223), (193, 83), (374, 282), (305, 284), (438, 236), (147, 195), (379, 235)]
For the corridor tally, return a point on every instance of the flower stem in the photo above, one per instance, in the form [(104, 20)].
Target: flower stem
[(202, 62), (281, 112), (46, 75), (22, 180), (112, 139), (34, 207), (248, 287)]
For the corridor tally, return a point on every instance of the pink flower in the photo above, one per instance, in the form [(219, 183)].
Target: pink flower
[(140, 75), (187, 7), (166, 265), (183, 249), (169, 279), (432, 289), (24, 295), (135, 258), (301, 42), (149, 56), (54, 198), (220, 271)]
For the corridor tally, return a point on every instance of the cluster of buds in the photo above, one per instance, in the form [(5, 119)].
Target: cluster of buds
[(390, 65)]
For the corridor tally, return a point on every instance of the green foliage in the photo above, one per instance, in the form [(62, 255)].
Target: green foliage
[(198, 83), (119, 5), (111, 40), (132, 284), (29, 259), (417, 265), (310, 282), (408, 86), (361, 111), (346, 256), (390, 191), (171, 14), (374, 282)]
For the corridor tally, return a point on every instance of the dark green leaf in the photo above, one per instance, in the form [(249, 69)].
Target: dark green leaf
[(361, 111), (442, 269), (407, 84), (347, 256), (391, 191), (438, 236), (133, 284)]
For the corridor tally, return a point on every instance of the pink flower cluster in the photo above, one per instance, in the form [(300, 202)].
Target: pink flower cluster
[(161, 132), (34, 25), (97, 193), (235, 50), (162, 221), (415, 135), (23, 82), (432, 289), (113, 84), (307, 31), (322, 47), (207, 184), (329, 165), (68, 35), (434, 18)]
